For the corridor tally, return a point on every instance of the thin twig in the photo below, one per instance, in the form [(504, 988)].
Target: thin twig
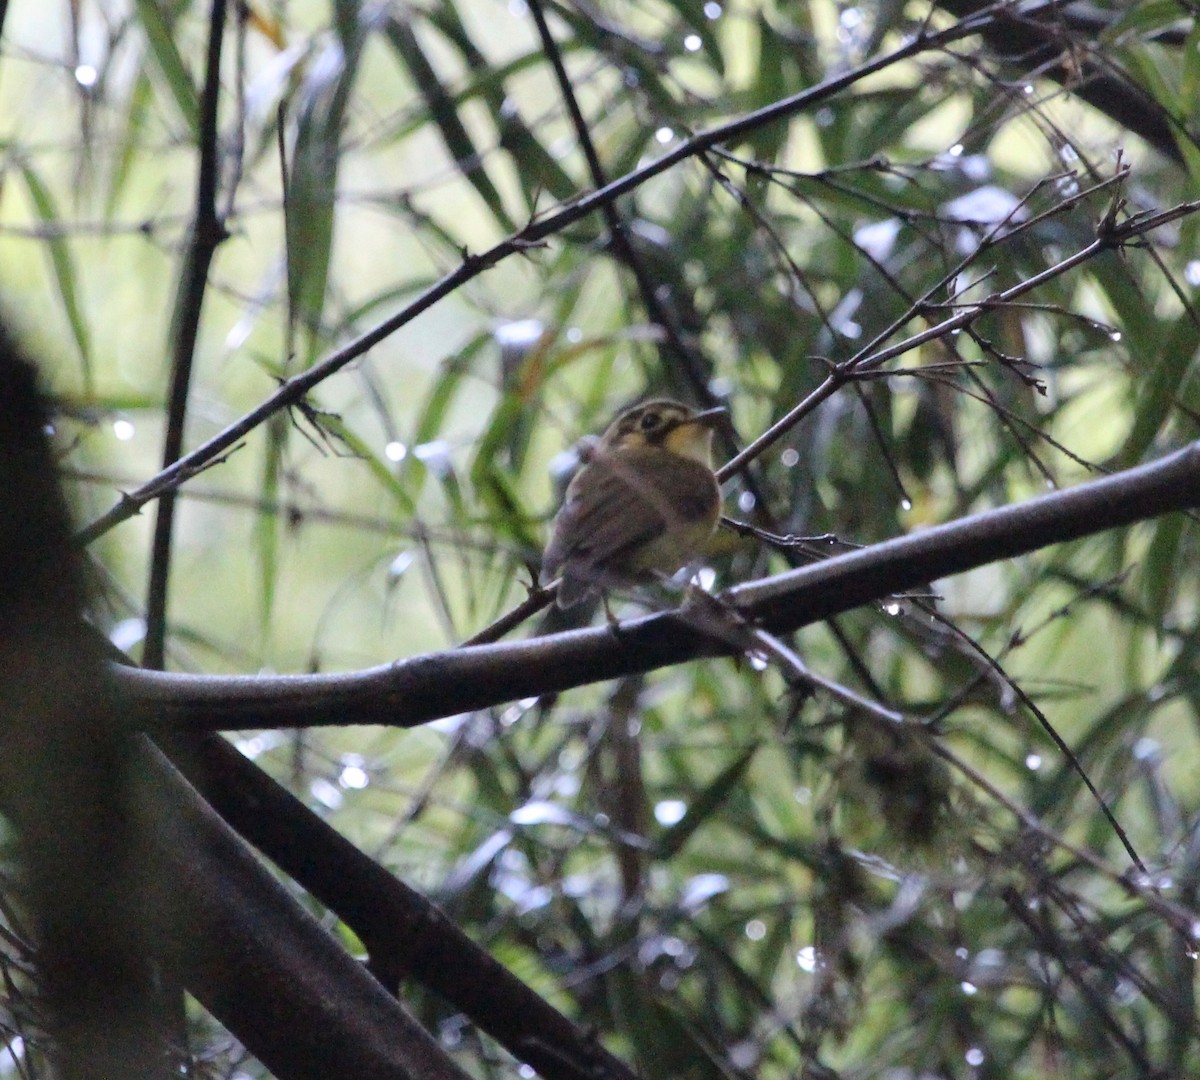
[(472, 266), (1109, 235)]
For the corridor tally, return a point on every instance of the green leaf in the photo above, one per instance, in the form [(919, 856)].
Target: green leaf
[(160, 35), (692, 13), (770, 85), (445, 113), (669, 1045), (1160, 574), (705, 804), (63, 264), (1165, 363), (537, 169), (311, 200), (126, 158), (381, 470), (267, 525)]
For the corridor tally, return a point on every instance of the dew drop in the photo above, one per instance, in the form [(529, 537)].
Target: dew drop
[(435, 454), (670, 811), (520, 333), (127, 633), (325, 793)]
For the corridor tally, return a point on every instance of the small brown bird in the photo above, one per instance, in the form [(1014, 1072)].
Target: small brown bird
[(644, 504)]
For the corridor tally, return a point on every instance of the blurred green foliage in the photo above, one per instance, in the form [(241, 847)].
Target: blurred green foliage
[(719, 875)]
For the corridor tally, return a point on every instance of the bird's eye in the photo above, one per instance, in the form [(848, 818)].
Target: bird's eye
[(650, 421)]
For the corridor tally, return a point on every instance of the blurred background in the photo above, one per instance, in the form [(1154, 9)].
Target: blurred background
[(719, 874)]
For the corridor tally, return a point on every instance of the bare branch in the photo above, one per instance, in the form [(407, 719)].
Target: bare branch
[(412, 692)]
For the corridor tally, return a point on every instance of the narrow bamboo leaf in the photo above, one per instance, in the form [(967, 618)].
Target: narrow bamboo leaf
[(770, 85), (385, 299), (1144, 18), (507, 436), (700, 26), (667, 1043), (128, 146), (507, 517), (63, 265), (1189, 84), (1164, 366), (710, 799), (160, 35), (444, 111), (348, 21), (1161, 566), (267, 525), (538, 169), (382, 470), (312, 187), (888, 15), (479, 86)]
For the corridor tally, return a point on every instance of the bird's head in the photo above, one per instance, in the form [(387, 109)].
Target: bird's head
[(668, 424)]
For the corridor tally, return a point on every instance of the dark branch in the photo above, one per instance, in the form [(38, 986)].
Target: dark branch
[(405, 935), (207, 233), (264, 966), (424, 688)]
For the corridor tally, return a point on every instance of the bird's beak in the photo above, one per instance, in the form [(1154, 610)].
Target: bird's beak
[(709, 418)]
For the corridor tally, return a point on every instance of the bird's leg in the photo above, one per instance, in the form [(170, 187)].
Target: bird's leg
[(614, 624)]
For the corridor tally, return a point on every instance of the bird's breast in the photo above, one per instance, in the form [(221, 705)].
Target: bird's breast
[(685, 497)]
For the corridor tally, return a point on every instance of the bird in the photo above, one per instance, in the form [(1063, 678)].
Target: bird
[(644, 504)]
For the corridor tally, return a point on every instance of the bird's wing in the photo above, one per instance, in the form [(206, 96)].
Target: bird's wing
[(606, 514)]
